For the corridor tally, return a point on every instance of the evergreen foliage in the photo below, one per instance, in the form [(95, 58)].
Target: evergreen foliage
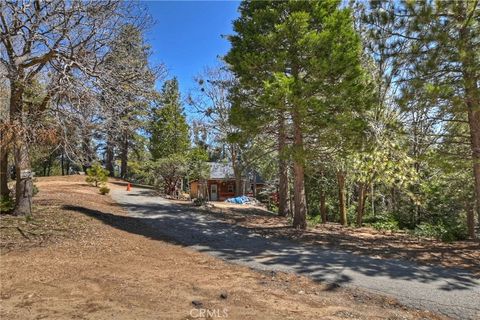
[(169, 131), (96, 175)]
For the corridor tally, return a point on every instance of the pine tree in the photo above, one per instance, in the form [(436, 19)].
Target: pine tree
[(307, 54), (437, 44), (126, 97), (169, 131)]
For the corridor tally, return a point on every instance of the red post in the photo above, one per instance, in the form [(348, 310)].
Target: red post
[(129, 187)]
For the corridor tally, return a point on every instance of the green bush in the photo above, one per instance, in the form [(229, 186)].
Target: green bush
[(389, 225), (6, 204), (199, 201), (313, 220), (96, 175), (104, 190), (383, 222), (35, 190), (447, 233), (271, 206), (351, 215), (428, 230)]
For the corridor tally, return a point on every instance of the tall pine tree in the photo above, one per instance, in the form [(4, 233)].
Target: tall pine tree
[(437, 43), (169, 131), (125, 99), (307, 54)]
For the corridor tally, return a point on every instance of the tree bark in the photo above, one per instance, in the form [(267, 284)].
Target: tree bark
[(254, 184), (471, 220), (109, 158), (24, 183), (472, 100), (124, 158), (474, 122), (4, 151), (283, 209), (290, 199), (323, 208), (300, 210), (237, 172), (300, 213), (238, 182), (342, 208), (67, 167), (87, 150), (62, 160), (362, 197), (49, 165), (23, 170), (4, 191)]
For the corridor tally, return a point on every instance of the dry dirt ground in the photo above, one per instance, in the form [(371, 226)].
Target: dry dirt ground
[(64, 264), (363, 241)]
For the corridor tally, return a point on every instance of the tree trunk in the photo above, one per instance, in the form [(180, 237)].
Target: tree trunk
[(323, 208), (372, 195), (300, 210), (4, 191), (290, 200), (67, 167), (124, 158), (362, 197), (237, 172), (283, 209), (23, 170), (87, 150), (254, 183), (24, 184), (49, 167), (109, 158), (471, 221), (474, 122), (238, 183), (472, 100), (342, 208), (62, 164), (300, 213)]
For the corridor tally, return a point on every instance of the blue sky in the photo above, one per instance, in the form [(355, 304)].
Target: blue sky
[(187, 35)]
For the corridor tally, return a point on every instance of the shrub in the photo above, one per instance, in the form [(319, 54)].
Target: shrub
[(351, 215), (389, 225), (6, 204), (429, 230), (199, 201), (104, 190), (447, 233), (35, 190), (96, 174), (313, 220), (386, 221), (271, 206)]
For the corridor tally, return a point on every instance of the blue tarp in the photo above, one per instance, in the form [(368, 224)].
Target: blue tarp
[(239, 200)]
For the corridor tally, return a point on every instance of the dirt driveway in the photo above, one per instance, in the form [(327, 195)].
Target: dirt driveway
[(82, 257)]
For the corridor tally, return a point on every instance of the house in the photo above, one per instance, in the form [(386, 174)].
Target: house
[(220, 184)]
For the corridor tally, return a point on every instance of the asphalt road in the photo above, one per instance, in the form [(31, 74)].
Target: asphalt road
[(452, 292)]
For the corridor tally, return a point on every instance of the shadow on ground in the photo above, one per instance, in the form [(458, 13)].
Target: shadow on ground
[(179, 225)]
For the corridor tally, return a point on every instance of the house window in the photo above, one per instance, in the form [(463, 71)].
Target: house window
[(231, 188)]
